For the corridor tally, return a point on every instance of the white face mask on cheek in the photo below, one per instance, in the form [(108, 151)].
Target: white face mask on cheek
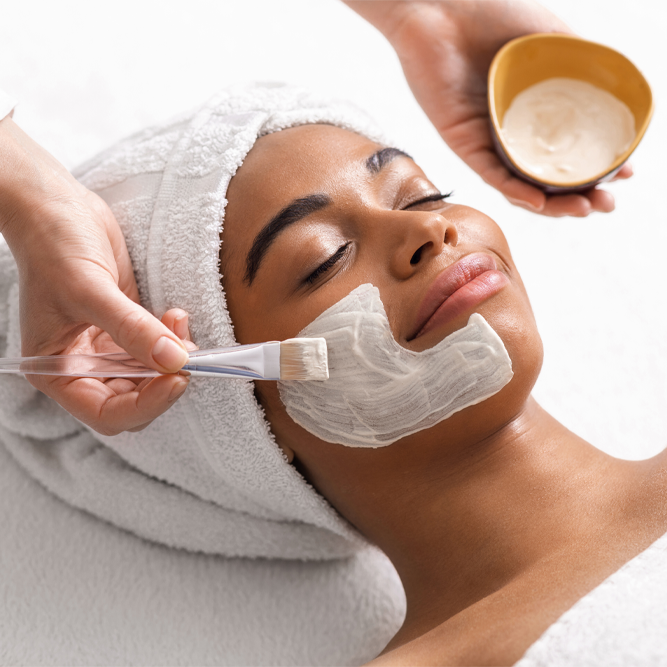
[(379, 392)]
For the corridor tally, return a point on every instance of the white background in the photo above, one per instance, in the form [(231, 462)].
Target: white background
[(87, 73)]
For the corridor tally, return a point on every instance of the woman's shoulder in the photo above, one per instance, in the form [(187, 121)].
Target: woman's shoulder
[(581, 595), (650, 497), (496, 630), (623, 621)]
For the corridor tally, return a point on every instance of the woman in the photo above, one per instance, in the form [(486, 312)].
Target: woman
[(496, 518)]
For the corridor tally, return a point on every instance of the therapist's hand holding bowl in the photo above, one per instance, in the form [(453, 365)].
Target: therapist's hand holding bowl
[(446, 48)]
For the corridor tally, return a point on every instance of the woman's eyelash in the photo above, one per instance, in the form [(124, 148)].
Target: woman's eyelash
[(430, 198), (325, 266)]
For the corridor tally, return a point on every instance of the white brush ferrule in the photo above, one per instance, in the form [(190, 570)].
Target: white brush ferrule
[(271, 361), (255, 362)]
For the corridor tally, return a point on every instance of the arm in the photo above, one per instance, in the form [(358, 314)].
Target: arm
[(446, 48), (75, 283)]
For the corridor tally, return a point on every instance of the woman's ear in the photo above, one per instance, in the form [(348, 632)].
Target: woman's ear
[(289, 454)]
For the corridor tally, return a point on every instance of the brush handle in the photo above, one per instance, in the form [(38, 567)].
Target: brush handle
[(238, 362), (114, 364)]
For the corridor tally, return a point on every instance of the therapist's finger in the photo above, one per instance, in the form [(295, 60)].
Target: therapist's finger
[(486, 163), (109, 408), (177, 320), (574, 205), (135, 330), (526, 196), (122, 385), (626, 171), (601, 200)]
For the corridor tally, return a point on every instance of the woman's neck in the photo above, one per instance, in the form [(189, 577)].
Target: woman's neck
[(464, 530)]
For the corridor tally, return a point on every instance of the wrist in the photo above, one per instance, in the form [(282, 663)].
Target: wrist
[(389, 16), (402, 22), (27, 178), (420, 32), (12, 185)]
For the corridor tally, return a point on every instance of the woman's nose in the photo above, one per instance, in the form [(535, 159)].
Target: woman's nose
[(418, 237)]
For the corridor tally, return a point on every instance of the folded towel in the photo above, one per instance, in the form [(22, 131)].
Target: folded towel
[(621, 622), (207, 476), (77, 591)]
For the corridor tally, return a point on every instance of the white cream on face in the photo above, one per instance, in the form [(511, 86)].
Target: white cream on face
[(565, 130), (379, 392)]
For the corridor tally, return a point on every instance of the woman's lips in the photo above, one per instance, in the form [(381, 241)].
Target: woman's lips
[(459, 288)]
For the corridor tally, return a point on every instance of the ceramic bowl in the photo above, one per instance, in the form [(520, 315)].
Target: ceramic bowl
[(528, 60)]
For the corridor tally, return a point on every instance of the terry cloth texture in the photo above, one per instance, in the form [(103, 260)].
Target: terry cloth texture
[(98, 594), (621, 622), (207, 476), (77, 591)]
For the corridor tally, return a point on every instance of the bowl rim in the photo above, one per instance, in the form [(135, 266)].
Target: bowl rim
[(495, 125)]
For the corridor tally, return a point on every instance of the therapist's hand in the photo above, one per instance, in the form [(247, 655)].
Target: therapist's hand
[(76, 281), (446, 48), (113, 405)]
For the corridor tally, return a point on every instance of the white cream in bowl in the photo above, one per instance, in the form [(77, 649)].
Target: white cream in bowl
[(565, 130)]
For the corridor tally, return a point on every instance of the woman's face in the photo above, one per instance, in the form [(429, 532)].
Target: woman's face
[(314, 212)]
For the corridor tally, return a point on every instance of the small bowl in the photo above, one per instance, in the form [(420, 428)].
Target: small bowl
[(528, 60)]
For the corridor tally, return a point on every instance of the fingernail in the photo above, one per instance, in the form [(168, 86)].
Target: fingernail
[(177, 390), (524, 204), (181, 327), (529, 207), (169, 354), (532, 208)]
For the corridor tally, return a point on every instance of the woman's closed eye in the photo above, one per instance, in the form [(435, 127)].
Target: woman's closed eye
[(430, 198), (325, 266), (312, 278)]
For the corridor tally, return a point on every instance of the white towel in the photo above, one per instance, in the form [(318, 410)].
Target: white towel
[(621, 622), (207, 476), (77, 591)]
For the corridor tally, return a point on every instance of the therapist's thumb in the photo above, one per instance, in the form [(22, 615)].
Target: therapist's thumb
[(139, 333)]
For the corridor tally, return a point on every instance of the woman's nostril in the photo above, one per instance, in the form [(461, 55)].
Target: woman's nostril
[(417, 256)]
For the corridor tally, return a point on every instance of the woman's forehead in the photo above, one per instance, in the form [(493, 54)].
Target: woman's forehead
[(289, 164), (304, 151)]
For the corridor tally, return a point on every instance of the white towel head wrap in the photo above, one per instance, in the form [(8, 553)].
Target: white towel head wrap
[(207, 475)]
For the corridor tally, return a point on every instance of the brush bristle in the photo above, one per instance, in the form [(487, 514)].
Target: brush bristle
[(304, 359)]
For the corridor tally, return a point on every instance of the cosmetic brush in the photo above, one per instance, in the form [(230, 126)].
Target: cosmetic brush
[(293, 359)]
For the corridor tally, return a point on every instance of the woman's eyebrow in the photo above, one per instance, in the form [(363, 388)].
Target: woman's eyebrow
[(293, 212), (380, 159), (300, 208)]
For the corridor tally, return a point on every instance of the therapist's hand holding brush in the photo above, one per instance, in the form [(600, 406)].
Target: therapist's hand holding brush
[(75, 283)]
